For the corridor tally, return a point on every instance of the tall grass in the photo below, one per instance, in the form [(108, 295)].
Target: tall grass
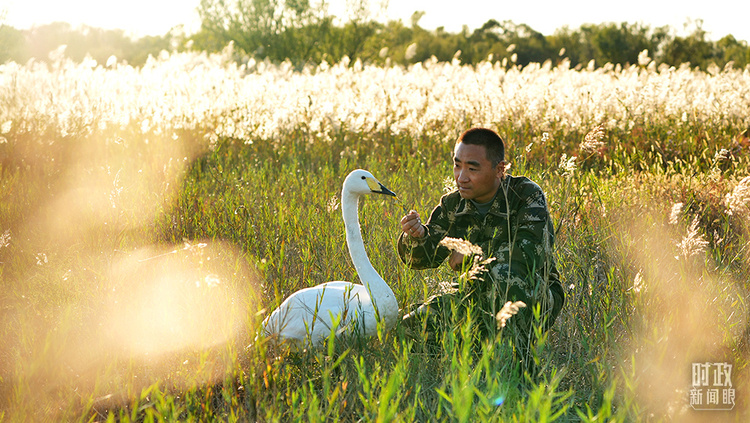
[(151, 217)]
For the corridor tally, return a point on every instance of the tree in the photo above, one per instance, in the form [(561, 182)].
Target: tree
[(694, 49), (573, 44), (530, 45), (281, 30), (12, 45), (618, 44), (734, 51), (278, 30), (608, 42)]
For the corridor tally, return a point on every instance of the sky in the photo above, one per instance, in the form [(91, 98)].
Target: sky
[(156, 17)]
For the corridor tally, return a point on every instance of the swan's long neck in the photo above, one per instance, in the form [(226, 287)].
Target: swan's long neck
[(379, 290)]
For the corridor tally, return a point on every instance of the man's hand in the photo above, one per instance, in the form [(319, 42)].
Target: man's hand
[(456, 260), (411, 225)]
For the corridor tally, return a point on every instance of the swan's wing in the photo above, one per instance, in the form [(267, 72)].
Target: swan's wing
[(358, 311), (315, 311)]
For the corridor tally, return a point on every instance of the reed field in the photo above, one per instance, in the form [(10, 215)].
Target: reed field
[(151, 217)]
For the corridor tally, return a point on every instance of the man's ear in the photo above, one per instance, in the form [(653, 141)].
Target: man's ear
[(500, 169)]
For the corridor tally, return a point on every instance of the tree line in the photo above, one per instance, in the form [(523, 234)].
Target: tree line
[(295, 30)]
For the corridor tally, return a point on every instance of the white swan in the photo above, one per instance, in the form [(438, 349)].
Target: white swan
[(310, 314)]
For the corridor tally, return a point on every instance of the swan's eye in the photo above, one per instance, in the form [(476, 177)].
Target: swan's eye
[(363, 178)]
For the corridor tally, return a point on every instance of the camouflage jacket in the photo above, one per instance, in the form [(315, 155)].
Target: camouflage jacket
[(517, 232)]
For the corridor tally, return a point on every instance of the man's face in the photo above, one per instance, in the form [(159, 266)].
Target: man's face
[(474, 174)]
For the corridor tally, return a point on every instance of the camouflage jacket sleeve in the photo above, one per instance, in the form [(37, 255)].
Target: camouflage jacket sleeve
[(426, 252)]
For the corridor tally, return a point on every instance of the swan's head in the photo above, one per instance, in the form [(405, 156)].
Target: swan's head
[(362, 182)]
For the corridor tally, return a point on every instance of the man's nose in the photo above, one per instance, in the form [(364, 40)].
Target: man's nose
[(462, 176)]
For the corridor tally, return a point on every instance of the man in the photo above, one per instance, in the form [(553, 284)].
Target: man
[(507, 217)]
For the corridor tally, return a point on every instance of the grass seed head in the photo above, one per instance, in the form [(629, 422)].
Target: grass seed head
[(738, 201), (5, 239), (674, 215), (461, 246), (567, 165), (593, 141), (693, 243), (509, 310), (449, 184)]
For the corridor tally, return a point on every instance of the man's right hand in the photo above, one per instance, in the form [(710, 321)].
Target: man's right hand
[(411, 224), (456, 261)]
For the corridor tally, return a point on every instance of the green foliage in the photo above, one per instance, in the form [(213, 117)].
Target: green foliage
[(41, 42), (11, 41), (694, 49), (304, 33), (277, 30)]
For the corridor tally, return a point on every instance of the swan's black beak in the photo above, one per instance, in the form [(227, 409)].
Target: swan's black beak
[(384, 190)]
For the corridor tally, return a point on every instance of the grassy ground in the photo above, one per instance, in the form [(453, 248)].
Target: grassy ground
[(137, 262)]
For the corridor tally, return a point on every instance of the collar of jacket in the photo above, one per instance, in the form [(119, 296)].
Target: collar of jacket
[(466, 207)]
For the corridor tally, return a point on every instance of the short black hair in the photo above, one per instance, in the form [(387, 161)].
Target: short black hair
[(489, 139)]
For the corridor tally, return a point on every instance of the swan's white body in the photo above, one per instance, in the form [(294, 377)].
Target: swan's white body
[(310, 314)]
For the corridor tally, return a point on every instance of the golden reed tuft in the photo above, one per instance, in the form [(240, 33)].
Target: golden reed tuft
[(509, 310)]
